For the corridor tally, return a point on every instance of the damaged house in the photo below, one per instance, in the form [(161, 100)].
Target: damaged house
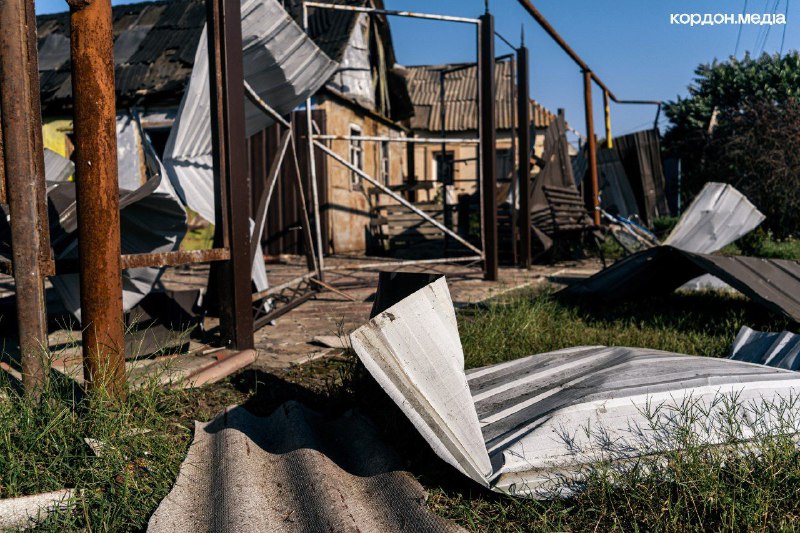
[(461, 116), (154, 51)]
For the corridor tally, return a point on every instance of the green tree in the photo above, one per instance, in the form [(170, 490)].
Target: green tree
[(740, 146)]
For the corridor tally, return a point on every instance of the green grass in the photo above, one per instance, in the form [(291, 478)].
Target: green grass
[(761, 243), (145, 438), (697, 324), (698, 488)]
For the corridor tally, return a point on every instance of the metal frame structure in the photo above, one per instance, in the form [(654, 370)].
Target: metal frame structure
[(100, 262), (589, 77), (488, 171)]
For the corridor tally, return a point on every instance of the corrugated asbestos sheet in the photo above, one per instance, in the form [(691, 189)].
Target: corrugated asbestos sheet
[(461, 93), (779, 350), (523, 427), (295, 470), (773, 283), (718, 215)]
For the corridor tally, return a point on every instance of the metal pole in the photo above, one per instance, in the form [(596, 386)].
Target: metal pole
[(97, 194), (230, 169), (548, 28), (587, 100), (512, 90), (488, 152), (402, 140), (524, 132), (312, 169), (409, 14), (607, 112), (22, 130), (411, 163), (445, 177)]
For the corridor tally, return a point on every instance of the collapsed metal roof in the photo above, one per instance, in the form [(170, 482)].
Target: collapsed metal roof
[(773, 283), (515, 426), (295, 470), (461, 93)]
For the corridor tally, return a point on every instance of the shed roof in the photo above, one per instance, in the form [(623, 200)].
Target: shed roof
[(154, 48), (461, 93)]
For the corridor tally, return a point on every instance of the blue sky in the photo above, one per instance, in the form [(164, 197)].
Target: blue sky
[(630, 44)]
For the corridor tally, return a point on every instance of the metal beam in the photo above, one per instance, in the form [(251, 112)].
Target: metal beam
[(592, 141), (548, 28), (24, 172), (488, 150), (230, 170), (524, 132), (407, 140), (312, 172), (408, 14), (97, 194)]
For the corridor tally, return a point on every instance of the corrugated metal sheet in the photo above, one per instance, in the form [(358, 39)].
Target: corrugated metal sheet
[(640, 154), (461, 93), (281, 64), (295, 470), (523, 426), (155, 44), (717, 216), (56, 168), (779, 350), (773, 283), (152, 218)]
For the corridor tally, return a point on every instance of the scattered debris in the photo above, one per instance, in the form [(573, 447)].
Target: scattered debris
[(779, 350), (773, 283), (295, 470), (514, 426), (26, 511), (718, 216)]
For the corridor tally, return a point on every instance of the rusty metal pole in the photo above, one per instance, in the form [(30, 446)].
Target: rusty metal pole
[(592, 139), (488, 146), (24, 172), (97, 194), (224, 23), (524, 132)]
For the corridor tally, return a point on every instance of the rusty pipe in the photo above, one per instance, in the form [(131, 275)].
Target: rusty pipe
[(592, 140), (97, 194), (551, 31), (24, 172)]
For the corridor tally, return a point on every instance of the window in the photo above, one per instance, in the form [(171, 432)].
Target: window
[(356, 158), (505, 164), (444, 167), (385, 162)]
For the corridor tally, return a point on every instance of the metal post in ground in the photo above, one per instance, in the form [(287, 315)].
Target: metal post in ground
[(524, 132), (488, 146), (24, 172), (592, 139), (233, 277), (97, 192)]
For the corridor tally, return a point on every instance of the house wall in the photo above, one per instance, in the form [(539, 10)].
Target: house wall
[(348, 208), (465, 155)]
